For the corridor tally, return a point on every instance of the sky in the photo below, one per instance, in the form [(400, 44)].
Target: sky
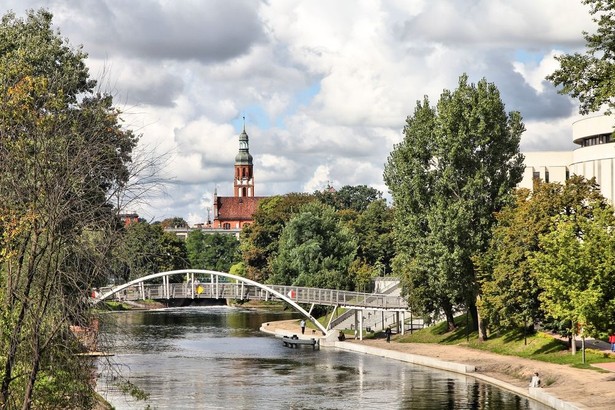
[(325, 86)]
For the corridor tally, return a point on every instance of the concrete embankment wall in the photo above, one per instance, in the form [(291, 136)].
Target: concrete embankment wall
[(536, 394)]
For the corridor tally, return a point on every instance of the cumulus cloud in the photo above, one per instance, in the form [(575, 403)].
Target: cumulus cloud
[(325, 87)]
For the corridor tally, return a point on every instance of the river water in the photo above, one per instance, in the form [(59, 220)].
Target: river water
[(216, 358)]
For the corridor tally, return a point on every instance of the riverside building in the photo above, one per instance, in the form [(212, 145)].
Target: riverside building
[(594, 158)]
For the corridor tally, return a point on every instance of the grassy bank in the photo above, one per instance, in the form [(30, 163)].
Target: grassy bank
[(537, 346)]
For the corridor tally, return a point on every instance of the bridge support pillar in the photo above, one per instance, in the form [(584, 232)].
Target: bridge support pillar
[(360, 324)]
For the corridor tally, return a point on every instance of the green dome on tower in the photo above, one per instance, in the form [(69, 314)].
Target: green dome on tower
[(243, 157)]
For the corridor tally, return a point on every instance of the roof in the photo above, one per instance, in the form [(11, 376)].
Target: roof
[(237, 208)]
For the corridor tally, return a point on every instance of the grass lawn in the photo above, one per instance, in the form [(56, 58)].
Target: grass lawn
[(540, 346)]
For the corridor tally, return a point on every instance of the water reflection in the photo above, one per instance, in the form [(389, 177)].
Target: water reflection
[(215, 358)]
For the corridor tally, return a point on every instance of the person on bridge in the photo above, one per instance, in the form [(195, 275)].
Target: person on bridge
[(302, 324)]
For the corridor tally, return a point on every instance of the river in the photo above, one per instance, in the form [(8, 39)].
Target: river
[(216, 358)]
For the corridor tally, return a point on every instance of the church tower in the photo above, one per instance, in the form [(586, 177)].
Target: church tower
[(244, 173)]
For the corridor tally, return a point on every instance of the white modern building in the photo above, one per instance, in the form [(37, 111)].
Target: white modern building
[(595, 157)]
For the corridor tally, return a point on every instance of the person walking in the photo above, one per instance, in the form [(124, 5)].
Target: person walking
[(302, 324), (612, 342), (388, 334)]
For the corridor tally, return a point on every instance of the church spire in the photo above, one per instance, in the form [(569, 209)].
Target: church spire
[(244, 178)]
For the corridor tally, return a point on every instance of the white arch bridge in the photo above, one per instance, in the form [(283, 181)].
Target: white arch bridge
[(241, 288)]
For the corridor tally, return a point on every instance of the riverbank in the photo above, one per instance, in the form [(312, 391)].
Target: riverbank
[(566, 387)]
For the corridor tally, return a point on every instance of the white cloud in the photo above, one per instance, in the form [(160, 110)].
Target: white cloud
[(319, 180), (325, 86)]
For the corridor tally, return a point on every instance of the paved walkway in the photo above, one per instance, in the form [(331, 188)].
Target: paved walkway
[(600, 345)]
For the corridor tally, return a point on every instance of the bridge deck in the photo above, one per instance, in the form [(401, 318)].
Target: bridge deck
[(242, 291)]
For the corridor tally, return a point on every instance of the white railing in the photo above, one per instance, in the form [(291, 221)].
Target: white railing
[(242, 291)]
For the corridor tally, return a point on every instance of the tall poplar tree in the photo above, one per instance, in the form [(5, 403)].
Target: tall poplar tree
[(455, 167)]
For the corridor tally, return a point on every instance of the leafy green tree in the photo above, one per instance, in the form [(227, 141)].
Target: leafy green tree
[(146, 249), (175, 222), (510, 287), (455, 167), (315, 250), (212, 251), (63, 156), (373, 231), (259, 241), (589, 77), (356, 198), (574, 261)]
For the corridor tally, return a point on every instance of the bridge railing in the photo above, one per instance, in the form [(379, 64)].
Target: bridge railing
[(241, 291)]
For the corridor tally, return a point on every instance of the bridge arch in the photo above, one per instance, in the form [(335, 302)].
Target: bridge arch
[(277, 294)]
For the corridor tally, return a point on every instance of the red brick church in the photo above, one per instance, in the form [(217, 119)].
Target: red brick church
[(235, 212)]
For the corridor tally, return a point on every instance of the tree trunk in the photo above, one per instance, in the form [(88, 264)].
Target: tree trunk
[(474, 314), (573, 343), (482, 325), (27, 400), (450, 319)]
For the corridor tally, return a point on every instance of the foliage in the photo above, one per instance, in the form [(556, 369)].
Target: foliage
[(575, 267), (589, 77), (175, 222), (356, 198), (146, 249), (510, 286), (315, 250), (212, 251), (455, 167), (373, 230), (259, 241), (63, 156)]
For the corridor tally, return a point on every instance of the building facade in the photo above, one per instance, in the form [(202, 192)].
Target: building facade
[(594, 158)]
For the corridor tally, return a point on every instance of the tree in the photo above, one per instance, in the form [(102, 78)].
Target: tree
[(510, 286), (315, 250), (212, 251), (146, 249), (574, 263), (589, 77), (175, 222), (455, 167), (372, 230), (259, 241), (356, 198), (63, 154)]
